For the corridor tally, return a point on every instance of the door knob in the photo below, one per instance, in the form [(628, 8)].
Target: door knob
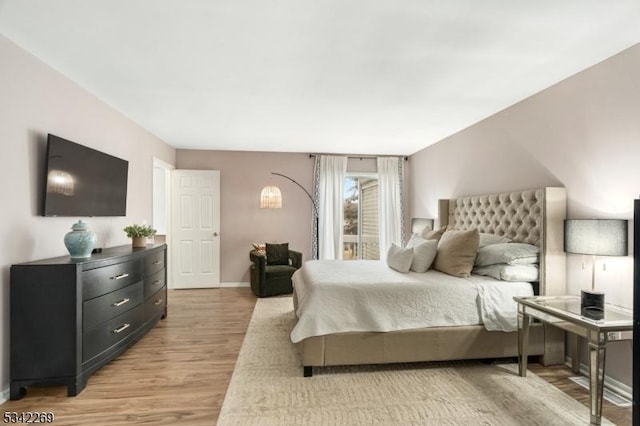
[(215, 234)]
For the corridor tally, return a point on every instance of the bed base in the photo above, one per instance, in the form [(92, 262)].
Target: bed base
[(427, 344)]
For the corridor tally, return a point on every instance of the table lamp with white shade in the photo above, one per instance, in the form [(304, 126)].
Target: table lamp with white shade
[(595, 237)]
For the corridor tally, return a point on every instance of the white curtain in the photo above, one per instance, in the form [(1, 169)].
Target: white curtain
[(332, 171), (390, 215)]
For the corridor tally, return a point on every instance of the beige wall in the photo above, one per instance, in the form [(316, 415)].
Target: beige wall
[(583, 134), (242, 221), (36, 100)]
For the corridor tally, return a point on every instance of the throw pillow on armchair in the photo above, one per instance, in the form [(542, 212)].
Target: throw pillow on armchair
[(277, 254)]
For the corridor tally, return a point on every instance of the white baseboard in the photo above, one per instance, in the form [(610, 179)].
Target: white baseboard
[(222, 285), (613, 385), (238, 284), (609, 395), (5, 396)]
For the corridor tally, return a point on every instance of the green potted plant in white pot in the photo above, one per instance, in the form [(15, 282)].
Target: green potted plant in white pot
[(139, 234)]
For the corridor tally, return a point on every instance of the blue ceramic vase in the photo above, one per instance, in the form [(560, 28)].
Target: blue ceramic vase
[(80, 240)]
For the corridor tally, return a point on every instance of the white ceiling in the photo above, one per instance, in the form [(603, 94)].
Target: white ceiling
[(339, 76)]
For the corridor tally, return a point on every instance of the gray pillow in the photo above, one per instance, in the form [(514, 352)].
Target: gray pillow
[(399, 258), (509, 253), (424, 253), (527, 273), (488, 239), (456, 252)]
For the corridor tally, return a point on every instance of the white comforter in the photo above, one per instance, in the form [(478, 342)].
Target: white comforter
[(366, 295)]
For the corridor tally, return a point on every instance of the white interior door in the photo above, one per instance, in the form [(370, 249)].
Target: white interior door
[(195, 228)]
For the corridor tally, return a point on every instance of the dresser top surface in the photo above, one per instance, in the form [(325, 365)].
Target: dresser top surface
[(106, 254)]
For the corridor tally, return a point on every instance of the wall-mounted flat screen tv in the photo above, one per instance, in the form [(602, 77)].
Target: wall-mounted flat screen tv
[(81, 181)]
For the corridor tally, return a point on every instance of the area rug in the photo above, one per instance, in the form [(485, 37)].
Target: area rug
[(267, 388)]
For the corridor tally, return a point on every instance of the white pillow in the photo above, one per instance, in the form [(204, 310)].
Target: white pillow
[(527, 273), (424, 252), (399, 258), (413, 237), (488, 239), (509, 253), (435, 234)]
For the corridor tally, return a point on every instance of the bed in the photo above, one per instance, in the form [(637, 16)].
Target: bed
[(533, 217)]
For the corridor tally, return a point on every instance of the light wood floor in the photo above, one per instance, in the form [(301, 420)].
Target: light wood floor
[(179, 372)]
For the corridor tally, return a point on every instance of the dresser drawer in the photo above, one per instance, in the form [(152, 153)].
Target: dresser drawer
[(110, 333), (105, 307), (154, 283), (156, 304), (99, 281), (153, 262)]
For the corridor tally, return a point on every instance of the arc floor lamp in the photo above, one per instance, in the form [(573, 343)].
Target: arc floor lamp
[(271, 198)]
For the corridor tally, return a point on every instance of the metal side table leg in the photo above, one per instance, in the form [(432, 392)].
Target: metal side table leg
[(523, 344), (575, 353), (597, 352)]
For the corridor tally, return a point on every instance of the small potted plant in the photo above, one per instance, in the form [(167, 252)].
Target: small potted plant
[(139, 234)]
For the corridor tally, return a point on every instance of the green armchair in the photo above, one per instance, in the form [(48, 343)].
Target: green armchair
[(271, 280)]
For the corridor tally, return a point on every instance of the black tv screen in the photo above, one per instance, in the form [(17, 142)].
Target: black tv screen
[(81, 181)]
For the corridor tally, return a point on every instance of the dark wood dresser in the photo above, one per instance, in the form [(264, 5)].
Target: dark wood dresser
[(70, 317)]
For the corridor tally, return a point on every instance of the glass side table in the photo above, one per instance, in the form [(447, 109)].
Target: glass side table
[(615, 323)]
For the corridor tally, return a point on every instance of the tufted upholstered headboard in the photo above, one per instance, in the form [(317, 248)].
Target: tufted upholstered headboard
[(532, 216)]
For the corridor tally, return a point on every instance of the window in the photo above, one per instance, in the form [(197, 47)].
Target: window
[(361, 237)]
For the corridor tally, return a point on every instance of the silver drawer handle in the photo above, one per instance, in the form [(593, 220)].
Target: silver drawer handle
[(157, 302), (122, 302), (157, 262), (121, 276), (156, 282), (122, 328)]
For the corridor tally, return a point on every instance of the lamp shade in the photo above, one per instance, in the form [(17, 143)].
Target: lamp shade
[(418, 224), (598, 237), (270, 198)]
